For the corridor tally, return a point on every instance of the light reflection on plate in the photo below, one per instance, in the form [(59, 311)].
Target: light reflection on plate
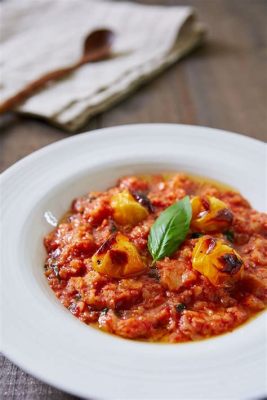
[(50, 218)]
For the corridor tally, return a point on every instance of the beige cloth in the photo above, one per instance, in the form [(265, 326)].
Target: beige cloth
[(39, 36)]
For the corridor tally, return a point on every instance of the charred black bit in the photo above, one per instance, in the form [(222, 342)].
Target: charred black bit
[(180, 307), (196, 235), (118, 257), (231, 263), (98, 262), (229, 236), (154, 273), (105, 310), (142, 198), (225, 215)]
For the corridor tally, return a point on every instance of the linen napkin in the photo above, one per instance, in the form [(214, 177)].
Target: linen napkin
[(40, 36)]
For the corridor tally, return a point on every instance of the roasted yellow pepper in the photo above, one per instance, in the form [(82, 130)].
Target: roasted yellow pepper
[(210, 214), (217, 261), (127, 211), (118, 257)]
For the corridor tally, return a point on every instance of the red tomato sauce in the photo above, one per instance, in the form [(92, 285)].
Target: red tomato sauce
[(169, 300)]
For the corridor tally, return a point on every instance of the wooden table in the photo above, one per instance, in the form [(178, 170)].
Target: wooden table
[(222, 85)]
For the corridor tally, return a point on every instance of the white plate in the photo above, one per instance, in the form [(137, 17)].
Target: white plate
[(43, 338)]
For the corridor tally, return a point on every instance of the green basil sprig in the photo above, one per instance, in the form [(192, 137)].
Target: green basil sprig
[(170, 229)]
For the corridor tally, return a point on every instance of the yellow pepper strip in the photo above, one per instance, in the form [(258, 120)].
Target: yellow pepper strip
[(217, 261), (210, 214), (127, 211), (118, 257)]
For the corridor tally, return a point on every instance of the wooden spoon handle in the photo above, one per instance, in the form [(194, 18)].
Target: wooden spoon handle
[(39, 83), (34, 86)]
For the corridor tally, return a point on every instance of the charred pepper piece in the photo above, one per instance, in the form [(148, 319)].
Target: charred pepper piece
[(210, 214), (217, 261), (118, 257), (127, 211), (142, 199)]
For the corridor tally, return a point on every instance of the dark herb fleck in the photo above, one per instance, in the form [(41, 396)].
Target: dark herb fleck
[(180, 307), (78, 297), (154, 273), (55, 270), (229, 236), (112, 227), (196, 235), (105, 310)]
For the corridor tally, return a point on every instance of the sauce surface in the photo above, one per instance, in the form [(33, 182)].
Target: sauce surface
[(178, 298)]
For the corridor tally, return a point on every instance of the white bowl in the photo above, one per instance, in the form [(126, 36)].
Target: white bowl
[(43, 338)]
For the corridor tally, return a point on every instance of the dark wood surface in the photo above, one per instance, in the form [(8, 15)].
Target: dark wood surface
[(221, 85)]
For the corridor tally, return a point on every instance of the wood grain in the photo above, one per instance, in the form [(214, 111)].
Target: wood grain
[(221, 85)]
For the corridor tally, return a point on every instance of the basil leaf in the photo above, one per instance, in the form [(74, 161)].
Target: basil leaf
[(170, 229)]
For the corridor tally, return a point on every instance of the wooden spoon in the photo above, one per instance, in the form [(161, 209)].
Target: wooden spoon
[(97, 46)]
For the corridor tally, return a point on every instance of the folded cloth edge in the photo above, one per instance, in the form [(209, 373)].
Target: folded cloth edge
[(191, 38)]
